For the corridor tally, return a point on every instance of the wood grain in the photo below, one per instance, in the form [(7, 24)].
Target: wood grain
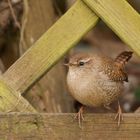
[(10, 100), (121, 18), (62, 126), (62, 36)]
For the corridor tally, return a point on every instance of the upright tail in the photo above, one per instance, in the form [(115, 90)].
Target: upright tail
[(123, 58)]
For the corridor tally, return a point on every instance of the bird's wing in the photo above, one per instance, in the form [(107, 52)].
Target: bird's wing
[(117, 74)]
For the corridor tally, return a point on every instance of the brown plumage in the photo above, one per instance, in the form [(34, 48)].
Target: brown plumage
[(97, 80), (123, 58), (116, 71)]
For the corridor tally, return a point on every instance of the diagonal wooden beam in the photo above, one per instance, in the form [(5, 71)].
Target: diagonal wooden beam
[(11, 100), (62, 36), (121, 18)]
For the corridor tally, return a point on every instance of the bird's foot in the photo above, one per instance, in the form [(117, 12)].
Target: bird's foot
[(79, 116), (119, 115)]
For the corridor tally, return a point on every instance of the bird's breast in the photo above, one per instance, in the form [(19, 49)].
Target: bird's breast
[(93, 89)]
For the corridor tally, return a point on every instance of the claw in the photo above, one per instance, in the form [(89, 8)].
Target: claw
[(79, 116), (119, 115)]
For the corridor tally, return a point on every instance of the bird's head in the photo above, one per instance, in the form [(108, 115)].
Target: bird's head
[(79, 61)]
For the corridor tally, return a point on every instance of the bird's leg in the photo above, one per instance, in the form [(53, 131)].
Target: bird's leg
[(79, 116), (119, 114)]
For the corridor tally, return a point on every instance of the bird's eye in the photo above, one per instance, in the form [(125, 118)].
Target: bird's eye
[(81, 63)]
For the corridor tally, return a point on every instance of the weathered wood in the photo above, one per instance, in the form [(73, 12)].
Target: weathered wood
[(121, 18), (11, 100), (62, 126), (51, 47)]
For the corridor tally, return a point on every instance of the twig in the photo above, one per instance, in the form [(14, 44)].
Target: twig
[(22, 43), (7, 7), (13, 14)]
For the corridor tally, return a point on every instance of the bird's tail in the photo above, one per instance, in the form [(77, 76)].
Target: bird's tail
[(123, 58)]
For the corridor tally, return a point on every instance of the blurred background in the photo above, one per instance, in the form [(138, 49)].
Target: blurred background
[(22, 22)]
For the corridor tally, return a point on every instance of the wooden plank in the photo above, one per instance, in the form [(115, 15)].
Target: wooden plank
[(62, 36), (11, 100), (62, 126), (121, 18)]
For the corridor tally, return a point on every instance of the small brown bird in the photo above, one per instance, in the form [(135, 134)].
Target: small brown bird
[(96, 80)]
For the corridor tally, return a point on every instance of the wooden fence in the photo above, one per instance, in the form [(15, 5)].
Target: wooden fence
[(37, 60)]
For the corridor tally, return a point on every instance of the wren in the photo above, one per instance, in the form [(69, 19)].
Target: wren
[(95, 80)]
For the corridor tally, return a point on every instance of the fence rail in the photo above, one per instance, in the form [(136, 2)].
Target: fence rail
[(62, 126)]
